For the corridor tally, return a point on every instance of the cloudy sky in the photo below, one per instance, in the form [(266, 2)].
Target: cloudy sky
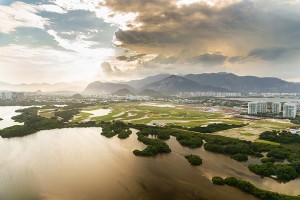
[(87, 40)]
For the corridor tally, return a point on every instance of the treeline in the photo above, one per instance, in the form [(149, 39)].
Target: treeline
[(211, 128), (251, 189), (34, 123), (283, 137), (31, 126), (280, 171), (237, 149)]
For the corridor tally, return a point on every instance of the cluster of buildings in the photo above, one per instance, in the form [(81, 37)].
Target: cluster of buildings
[(15, 96), (272, 94), (210, 94), (289, 110)]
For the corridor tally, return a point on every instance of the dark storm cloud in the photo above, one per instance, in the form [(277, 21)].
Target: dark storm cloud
[(81, 22), (270, 53), (236, 59), (165, 60), (130, 58), (208, 59)]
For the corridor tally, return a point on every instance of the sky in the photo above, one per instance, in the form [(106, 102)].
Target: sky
[(87, 40)]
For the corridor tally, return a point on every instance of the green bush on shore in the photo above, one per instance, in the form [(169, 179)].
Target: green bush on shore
[(251, 189)]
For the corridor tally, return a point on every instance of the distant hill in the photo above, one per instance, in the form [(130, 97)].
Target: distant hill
[(150, 93), (106, 88), (45, 87), (77, 96), (176, 84), (245, 84), (123, 92), (138, 84)]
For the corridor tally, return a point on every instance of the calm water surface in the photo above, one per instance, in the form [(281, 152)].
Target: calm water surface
[(6, 113), (80, 164)]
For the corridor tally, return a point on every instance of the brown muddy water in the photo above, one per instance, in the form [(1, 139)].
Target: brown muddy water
[(80, 164)]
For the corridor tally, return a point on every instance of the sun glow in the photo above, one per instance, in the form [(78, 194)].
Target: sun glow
[(188, 2)]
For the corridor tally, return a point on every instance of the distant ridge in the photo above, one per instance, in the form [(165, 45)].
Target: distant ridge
[(150, 93), (138, 84), (98, 87), (123, 92), (175, 84), (245, 84), (45, 87)]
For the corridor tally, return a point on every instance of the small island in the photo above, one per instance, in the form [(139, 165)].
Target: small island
[(194, 159), (1, 119)]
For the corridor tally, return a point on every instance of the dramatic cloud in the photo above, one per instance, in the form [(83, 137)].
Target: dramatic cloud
[(210, 34), (112, 39), (20, 14), (231, 28)]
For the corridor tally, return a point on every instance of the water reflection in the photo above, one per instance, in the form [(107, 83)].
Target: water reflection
[(7, 112)]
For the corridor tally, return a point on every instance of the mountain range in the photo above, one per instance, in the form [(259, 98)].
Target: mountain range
[(167, 84), (208, 82), (245, 84)]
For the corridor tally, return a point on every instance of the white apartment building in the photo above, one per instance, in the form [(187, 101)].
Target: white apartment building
[(252, 108), (262, 107), (276, 107), (289, 110)]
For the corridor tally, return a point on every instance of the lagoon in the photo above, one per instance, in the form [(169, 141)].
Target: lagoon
[(79, 163)]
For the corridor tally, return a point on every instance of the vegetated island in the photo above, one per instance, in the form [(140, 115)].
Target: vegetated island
[(251, 189), (194, 159)]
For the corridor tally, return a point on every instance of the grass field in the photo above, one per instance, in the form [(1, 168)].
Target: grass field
[(183, 115)]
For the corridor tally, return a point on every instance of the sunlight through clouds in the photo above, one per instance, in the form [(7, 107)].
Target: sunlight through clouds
[(239, 36)]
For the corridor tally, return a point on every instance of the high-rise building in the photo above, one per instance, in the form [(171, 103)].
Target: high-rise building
[(276, 107), (262, 107), (252, 108), (289, 110)]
